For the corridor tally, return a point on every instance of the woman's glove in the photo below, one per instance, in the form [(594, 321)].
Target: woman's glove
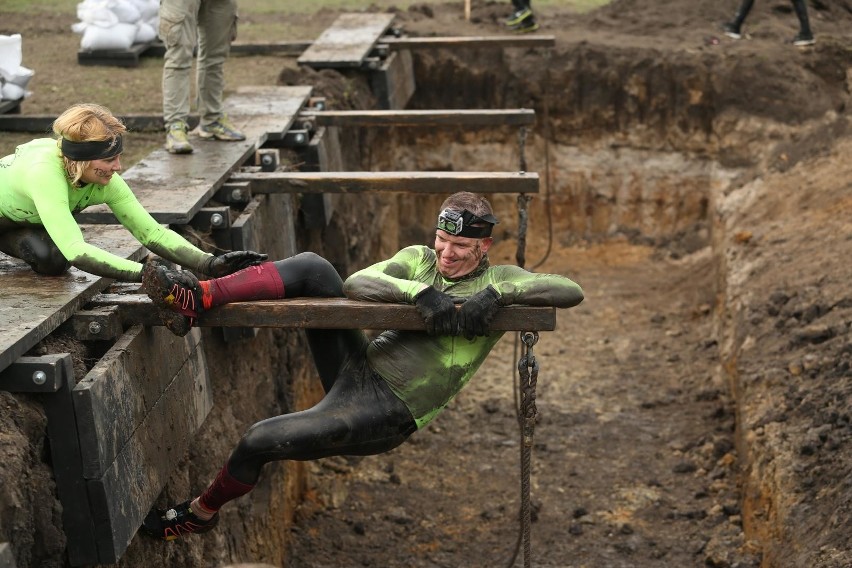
[(231, 262), (438, 311), (477, 312)]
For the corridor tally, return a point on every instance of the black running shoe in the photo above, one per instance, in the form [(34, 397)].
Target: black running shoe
[(177, 295), (176, 522), (518, 17), (732, 30), (528, 25), (803, 39)]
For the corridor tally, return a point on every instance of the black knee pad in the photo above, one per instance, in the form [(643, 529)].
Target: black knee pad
[(37, 249)]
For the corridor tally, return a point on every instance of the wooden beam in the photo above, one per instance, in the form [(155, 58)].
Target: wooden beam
[(323, 313), (448, 117), (397, 43), (43, 123), (348, 40), (407, 182), (268, 48)]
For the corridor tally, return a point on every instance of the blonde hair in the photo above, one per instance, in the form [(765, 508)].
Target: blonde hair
[(85, 122)]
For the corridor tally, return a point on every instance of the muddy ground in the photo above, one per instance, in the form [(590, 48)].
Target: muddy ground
[(694, 410)]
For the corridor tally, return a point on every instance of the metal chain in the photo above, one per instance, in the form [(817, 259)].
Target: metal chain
[(527, 413)]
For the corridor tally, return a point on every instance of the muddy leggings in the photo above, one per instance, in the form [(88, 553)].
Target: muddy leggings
[(798, 5), (34, 246), (359, 414)]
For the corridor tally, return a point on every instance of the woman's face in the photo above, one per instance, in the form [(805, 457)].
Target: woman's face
[(100, 171)]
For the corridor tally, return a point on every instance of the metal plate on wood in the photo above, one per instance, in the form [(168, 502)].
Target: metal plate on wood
[(348, 40)]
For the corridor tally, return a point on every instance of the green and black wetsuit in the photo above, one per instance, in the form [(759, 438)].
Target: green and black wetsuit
[(379, 392)]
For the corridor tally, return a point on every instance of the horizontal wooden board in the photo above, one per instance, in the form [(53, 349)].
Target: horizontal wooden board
[(348, 40), (448, 117), (403, 182), (43, 123), (32, 306), (114, 398), (122, 497), (458, 42), (324, 313), (191, 180)]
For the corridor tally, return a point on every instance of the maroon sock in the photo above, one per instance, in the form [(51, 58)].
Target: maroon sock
[(223, 489), (260, 282)]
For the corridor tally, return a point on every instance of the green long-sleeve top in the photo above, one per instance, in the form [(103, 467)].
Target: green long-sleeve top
[(34, 188), (424, 371)]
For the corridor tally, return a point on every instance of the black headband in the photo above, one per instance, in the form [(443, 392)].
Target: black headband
[(461, 224), (94, 150)]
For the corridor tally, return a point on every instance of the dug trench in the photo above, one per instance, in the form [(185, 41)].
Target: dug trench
[(692, 411)]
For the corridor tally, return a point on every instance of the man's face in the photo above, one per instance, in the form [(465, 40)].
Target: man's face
[(459, 256)]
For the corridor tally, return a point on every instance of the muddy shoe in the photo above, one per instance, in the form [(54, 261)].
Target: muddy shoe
[(518, 17), (176, 522), (222, 129), (177, 295), (732, 30), (177, 139), (527, 26)]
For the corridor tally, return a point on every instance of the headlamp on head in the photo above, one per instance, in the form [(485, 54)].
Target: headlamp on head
[(462, 224)]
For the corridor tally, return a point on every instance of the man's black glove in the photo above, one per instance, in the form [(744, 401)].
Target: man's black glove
[(438, 311), (231, 262), (477, 312)]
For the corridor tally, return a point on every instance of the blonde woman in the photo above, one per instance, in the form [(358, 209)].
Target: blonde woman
[(47, 180)]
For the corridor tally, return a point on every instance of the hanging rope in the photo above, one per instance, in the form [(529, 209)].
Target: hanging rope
[(528, 371)]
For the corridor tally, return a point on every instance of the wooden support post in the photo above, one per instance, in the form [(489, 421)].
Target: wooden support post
[(7, 559), (405, 182)]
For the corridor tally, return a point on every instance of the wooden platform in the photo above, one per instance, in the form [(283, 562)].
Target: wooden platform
[(8, 106), (173, 188), (28, 314), (347, 42), (120, 57)]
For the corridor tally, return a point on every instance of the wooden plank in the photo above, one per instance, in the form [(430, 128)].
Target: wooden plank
[(393, 83), (462, 42), (121, 498), (33, 306), (113, 57), (448, 117), (270, 48), (7, 559), (324, 313), (407, 182), (113, 399), (43, 123), (323, 154), (348, 40), (10, 106), (191, 180)]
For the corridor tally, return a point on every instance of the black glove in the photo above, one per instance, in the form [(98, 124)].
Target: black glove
[(477, 312), (231, 262), (438, 311)]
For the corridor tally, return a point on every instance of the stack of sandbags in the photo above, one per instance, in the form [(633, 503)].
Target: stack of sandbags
[(13, 76), (116, 24)]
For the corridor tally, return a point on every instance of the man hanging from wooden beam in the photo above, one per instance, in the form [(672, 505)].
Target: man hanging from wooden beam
[(378, 392)]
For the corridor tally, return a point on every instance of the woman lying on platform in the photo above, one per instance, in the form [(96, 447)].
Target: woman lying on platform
[(47, 180)]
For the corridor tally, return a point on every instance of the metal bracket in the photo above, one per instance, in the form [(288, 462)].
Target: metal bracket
[(268, 159), (36, 374), (296, 138), (317, 103), (212, 218), (102, 323), (234, 192)]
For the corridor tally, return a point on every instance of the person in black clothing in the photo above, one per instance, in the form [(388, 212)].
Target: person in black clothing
[(803, 38), (522, 19)]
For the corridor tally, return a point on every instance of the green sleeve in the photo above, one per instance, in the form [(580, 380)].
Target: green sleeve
[(51, 202), (518, 286), (392, 280), (157, 238)]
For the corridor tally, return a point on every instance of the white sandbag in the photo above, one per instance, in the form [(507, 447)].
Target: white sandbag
[(12, 92), (145, 33), (96, 13), (147, 9), (126, 11), (10, 55), (21, 77), (119, 36)]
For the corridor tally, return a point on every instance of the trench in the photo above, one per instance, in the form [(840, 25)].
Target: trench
[(630, 169)]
